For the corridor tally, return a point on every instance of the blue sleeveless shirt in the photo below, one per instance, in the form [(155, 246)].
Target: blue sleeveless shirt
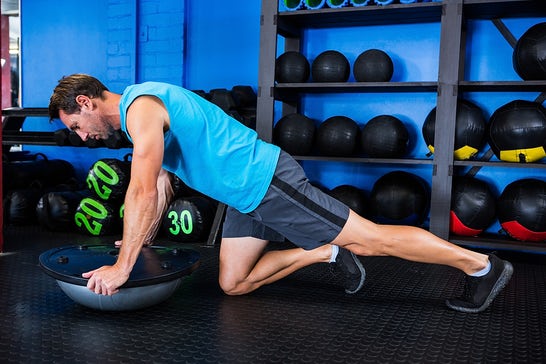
[(208, 150)]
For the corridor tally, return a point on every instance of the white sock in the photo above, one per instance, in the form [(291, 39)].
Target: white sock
[(335, 250), (482, 272)]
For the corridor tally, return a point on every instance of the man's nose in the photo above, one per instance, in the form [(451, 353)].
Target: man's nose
[(82, 135)]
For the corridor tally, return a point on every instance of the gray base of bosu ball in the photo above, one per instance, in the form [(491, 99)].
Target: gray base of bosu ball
[(157, 274)]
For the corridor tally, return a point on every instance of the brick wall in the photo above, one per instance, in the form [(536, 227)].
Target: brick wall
[(145, 42), (121, 44), (160, 41)]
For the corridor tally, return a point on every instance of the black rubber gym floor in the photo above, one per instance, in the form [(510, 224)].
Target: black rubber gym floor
[(398, 317)]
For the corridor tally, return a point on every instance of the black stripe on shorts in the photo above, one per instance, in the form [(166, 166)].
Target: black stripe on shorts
[(307, 203)]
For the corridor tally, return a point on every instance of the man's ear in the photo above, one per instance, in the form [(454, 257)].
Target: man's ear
[(84, 102)]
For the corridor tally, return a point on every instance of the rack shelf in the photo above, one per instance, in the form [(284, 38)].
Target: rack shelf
[(366, 160), (493, 9), (320, 87), (498, 242), (31, 138), (502, 86), (496, 164), (289, 21)]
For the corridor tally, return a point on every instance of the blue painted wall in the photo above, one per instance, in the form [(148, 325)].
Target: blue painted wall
[(222, 43), (118, 41), (55, 43), (160, 41)]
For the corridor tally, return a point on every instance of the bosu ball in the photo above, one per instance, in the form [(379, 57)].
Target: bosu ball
[(156, 275)]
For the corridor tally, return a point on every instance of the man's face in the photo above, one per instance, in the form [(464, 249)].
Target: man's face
[(88, 123)]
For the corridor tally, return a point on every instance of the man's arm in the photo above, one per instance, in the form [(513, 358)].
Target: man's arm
[(146, 119)]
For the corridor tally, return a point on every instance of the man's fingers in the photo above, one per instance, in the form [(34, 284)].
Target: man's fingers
[(90, 282), (88, 274)]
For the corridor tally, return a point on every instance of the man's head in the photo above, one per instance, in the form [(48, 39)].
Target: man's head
[(75, 102), (69, 87)]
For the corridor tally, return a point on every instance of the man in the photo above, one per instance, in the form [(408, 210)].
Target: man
[(268, 195)]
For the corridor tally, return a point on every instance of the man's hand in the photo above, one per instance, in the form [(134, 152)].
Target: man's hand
[(106, 280), (117, 243)]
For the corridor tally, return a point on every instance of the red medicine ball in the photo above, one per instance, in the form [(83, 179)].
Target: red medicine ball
[(522, 209), (472, 206)]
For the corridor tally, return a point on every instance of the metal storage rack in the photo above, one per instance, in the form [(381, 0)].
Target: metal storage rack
[(452, 16)]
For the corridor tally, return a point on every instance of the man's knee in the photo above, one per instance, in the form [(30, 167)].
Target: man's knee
[(231, 285)]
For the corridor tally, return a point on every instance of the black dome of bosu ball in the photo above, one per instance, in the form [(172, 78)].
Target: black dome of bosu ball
[(373, 65), (330, 66), (473, 206), (529, 57), (291, 67), (295, 134), (470, 125), (385, 136), (399, 198), (337, 136), (156, 275), (354, 197), (521, 209), (517, 131)]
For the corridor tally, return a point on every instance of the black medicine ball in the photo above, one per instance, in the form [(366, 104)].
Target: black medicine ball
[(517, 131), (373, 65), (295, 134), (529, 57), (96, 217), (337, 136), (55, 210), (354, 197), (330, 66), (292, 66), (522, 209), (385, 136), (188, 219), (473, 206), (470, 128), (399, 198), (20, 206), (108, 179)]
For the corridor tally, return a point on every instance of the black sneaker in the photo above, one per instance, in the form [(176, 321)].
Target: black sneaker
[(480, 291), (353, 272)]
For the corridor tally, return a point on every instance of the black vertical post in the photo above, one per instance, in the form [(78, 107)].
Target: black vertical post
[(266, 69), (449, 73)]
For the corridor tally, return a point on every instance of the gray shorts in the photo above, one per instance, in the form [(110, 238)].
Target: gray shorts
[(292, 209)]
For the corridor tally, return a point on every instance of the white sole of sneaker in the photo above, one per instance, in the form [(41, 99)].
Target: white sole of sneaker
[(362, 275)]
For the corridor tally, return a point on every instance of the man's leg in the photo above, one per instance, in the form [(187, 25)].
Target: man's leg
[(486, 275), (244, 267), (366, 238)]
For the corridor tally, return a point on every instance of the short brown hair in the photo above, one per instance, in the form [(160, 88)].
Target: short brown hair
[(64, 94)]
